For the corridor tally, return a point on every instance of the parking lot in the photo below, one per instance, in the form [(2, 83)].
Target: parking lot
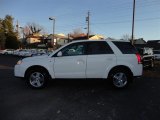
[(78, 99)]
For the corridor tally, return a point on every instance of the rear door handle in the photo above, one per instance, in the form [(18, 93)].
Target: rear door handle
[(80, 61)]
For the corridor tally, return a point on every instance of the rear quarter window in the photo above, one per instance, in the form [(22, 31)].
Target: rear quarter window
[(125, 47)]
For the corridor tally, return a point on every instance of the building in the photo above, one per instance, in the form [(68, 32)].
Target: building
[(140, 43), (59, 40), (155, 44), (34, 39), (91, 37)]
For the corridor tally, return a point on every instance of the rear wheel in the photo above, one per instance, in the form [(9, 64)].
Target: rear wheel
[(37, 78), (120, 78)]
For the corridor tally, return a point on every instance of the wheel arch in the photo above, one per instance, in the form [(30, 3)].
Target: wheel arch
[(120, 67), (38, 67)]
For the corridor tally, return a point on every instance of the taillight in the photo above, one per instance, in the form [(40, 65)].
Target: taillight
[(138, 58)]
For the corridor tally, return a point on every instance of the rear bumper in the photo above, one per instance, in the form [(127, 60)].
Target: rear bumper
[(138, 70)]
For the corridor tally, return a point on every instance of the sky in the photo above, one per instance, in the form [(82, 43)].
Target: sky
[(111, 18)]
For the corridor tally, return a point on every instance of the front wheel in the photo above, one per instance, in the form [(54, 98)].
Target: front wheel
[(120, 78), (37, 78)]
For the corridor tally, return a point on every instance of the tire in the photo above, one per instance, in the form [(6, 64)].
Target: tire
[(37, 78), (120, 78)]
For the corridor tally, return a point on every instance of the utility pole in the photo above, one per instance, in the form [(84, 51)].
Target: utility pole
[(133, 22), (88, 23)]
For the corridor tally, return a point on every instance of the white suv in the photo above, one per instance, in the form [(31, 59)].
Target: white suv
[(116, 60)]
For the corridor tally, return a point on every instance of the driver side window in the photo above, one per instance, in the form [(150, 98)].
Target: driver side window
[(74, 49)]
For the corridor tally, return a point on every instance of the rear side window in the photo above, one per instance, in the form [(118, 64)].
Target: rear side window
[(99, 47), (125, 47)]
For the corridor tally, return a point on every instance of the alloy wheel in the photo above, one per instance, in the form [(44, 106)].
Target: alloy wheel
[(36, 79), (120, 80)]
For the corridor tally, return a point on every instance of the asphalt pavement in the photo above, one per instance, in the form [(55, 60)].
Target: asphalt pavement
[(78, 99)]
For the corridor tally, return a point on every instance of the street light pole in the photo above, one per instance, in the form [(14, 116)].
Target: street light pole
[(52, 18)]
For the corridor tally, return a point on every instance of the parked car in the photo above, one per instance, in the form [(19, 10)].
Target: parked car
[(7, 51), (1, 51), (40, 52), (147, 56), (117, 61), (24, 52), (16, 52), (157, 54)]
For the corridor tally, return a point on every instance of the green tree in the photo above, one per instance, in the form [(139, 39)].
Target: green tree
[(2, 35), (11, 41), (8, 24), (9, 36)]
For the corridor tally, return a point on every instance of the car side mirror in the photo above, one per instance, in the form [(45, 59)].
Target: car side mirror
[(59, 54)]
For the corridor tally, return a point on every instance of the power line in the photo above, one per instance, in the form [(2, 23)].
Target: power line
[(105, 23), (120, 7), (126, 21)]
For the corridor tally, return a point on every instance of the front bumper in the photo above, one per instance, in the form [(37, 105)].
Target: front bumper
[(18, 71)]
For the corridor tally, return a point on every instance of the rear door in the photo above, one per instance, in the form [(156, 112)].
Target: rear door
[(128, 57), (100, 58)]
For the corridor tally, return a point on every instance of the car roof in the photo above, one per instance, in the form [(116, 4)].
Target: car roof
[(75, 41)]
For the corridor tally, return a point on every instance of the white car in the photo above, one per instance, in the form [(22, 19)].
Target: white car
[(24, 52), (1, 51), (157, 54), (7, 51), (39, 52), (16, 52), (116, 60)]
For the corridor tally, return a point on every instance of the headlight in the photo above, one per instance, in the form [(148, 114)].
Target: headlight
[(19, 62)]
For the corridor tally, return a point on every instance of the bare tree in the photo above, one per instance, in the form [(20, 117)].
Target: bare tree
[(126, 37), (77, 32), (32, 28)]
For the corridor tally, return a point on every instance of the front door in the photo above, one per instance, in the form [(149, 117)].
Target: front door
[(72, 63)]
